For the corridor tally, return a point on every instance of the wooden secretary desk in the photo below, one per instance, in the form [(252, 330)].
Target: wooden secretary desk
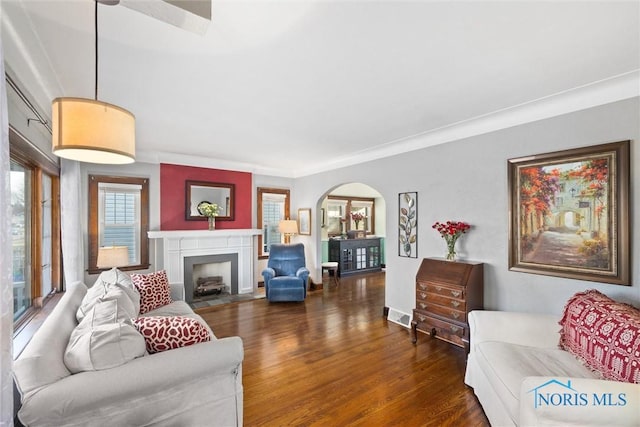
[(446, 291)]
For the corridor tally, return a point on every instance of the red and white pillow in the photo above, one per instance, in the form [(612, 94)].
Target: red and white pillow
[(166, 333), (604, 334), (154, 290)]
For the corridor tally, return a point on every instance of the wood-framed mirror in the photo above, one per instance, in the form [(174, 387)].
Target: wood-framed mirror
[(198, 192)]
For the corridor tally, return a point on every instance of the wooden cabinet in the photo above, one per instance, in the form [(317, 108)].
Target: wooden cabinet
[(355, 255), (446, 291)]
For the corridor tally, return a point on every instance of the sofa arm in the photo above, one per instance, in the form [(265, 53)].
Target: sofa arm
[(303, 273), (563, 401), (534, 330), (268, 274), (146, 380)]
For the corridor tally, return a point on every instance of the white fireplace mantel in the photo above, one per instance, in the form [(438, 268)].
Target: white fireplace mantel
[(178, 244)]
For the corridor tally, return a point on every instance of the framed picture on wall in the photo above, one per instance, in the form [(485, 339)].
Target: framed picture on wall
[(569, 213), (304, 221), (408, 224)]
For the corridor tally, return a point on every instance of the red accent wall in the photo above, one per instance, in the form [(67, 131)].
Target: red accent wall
[(173, 193)]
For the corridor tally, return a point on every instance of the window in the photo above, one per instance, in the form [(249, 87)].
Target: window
[(363, 208), (35, 228), (20, 231), (335, 216), (273, 206), (119, 216), (341, 211)]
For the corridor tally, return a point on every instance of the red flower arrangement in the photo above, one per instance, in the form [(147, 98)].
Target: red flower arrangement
[(357, 216), (450, 232)]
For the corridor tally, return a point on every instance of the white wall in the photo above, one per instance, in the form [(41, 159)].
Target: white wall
[(467, 180)]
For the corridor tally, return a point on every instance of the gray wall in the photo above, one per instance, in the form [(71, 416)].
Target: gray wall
[(467, 180)]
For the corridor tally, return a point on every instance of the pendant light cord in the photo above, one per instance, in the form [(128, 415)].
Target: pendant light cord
[(96, 41)]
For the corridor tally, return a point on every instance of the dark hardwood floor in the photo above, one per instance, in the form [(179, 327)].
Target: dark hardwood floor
[(334, 360)]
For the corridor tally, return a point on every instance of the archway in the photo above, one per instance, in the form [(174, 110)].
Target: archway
[(354, 210)]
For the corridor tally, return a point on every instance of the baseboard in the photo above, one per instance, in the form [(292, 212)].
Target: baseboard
[(313, 286)]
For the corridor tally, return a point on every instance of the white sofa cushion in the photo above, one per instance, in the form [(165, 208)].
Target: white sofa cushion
[(114, 276), (128, 300), (507, 364), (103, 340)]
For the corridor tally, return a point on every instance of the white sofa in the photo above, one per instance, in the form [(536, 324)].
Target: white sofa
[(514, 356), (200, 384)]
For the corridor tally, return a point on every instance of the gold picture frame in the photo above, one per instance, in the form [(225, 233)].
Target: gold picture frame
[(569, 213), (304, 221)]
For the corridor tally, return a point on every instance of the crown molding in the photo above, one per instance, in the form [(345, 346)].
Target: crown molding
[(157, 157), (618, 88)]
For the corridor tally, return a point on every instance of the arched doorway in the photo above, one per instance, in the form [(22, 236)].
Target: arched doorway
[(351, 210)]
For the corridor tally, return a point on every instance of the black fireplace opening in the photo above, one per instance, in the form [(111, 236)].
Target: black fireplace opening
[(210, 276)]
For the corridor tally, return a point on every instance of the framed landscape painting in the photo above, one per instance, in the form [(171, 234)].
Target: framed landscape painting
[(569, 213), (304, 221)]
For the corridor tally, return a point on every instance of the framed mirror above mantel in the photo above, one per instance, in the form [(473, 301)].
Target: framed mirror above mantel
[(198, 192)]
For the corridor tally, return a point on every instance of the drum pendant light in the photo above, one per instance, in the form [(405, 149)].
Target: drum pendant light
[(88, 130)]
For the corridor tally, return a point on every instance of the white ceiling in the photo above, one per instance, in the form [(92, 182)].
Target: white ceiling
[(296, 87)]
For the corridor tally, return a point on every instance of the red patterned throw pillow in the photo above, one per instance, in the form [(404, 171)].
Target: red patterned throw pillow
[(604, 334), (166, 333), (154, 290)]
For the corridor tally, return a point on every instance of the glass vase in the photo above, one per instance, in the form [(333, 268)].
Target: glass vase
[(212, 222), (451, 250)]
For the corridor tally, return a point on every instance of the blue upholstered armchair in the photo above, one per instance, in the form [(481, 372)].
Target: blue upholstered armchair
[(285, 278)]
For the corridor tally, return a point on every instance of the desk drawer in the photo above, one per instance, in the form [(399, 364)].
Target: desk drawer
[(450, 313), (435, 288), (445, 331), (456, 304)]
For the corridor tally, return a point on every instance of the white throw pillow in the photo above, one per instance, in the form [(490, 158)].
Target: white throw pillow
[(111, 285), (115, 276), (102, 341)]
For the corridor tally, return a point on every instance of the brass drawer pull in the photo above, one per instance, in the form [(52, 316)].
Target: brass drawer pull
[(423, 305), (455, 303), (423, 295), (421, 318), (438, 288), (455, 315), (422, 286), (456, 293), (454, 329)]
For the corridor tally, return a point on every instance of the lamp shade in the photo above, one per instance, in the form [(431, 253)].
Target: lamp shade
[(92, 131), (288, 226), (112, 256)]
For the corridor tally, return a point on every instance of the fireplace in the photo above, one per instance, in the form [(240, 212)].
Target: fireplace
[(179, 250), (207, 276)]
